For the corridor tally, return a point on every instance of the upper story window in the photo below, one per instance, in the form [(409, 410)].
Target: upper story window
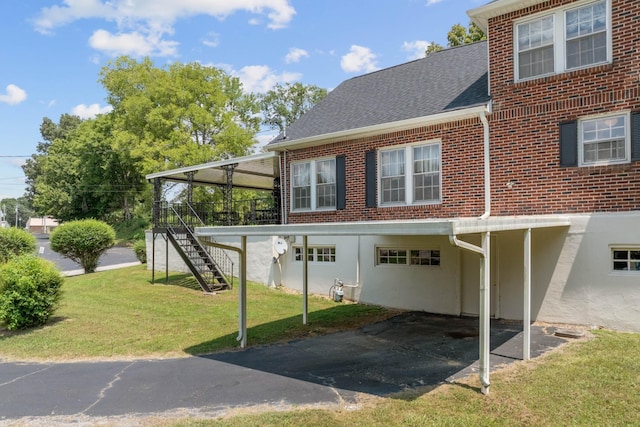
[(313, 185), (410, 174), (564, 39)]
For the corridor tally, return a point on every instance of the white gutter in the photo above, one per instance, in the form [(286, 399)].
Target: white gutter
[(328, 138)]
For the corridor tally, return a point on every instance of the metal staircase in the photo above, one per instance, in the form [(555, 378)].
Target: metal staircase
[(211, 267)]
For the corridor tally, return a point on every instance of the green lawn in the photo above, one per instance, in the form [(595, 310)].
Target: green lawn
[(118, 313)]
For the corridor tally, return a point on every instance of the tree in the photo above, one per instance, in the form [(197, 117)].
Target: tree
[(24, 211), (284, 104), (179, 115), (458, 36), (83, 241)]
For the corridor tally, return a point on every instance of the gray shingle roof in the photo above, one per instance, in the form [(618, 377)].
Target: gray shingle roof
[(443, 81)]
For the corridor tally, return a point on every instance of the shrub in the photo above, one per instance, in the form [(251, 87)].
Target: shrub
[(29, 291), (140, 248), (15, 241), (83, 241)]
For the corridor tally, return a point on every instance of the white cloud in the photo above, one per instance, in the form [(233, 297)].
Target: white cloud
[(295, 54), (133, 43), (359, 59), (143, 24), (416, 48), (90, 111), (432, 2), (13, 96), (261, 78), (212, 40)]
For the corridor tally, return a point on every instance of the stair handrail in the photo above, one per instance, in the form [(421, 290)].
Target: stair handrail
[(189, 230)]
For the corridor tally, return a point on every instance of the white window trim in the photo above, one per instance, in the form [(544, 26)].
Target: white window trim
[(612, 260), (408, 174), (559, 39), (315, 248), (377, 262), (313, 184), (627, 137)]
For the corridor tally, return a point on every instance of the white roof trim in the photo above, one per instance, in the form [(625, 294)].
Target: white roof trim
[(329, 138), (446, 227), (481, 15)]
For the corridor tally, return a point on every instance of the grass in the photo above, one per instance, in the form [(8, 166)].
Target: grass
[(119, 314)]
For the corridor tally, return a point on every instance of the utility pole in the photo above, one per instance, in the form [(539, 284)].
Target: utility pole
[(16, 215)]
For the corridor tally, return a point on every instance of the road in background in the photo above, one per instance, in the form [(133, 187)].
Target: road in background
[(117, 255)]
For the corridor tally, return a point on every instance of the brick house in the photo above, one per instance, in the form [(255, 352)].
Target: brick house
[(498, 179)]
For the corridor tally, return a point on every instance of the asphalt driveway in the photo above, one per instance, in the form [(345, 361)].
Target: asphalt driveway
[(410, 351)]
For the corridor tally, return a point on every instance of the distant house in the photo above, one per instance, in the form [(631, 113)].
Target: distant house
[(42, 225), (3, 220)]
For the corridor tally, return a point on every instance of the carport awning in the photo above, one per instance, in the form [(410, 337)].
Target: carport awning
[(449, 227), (252, 172)]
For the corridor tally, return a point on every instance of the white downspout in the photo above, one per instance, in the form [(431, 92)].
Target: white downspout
[(485, 302), (487, 164), (283, 190)]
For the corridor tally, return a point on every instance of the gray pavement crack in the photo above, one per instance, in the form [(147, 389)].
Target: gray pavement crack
[(117, 377), (26, 375)]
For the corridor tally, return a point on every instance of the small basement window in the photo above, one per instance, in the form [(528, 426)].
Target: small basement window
[(316, 253), (401, 256), (626, 259)]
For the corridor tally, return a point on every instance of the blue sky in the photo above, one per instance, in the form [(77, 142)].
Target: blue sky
[(51, 51)]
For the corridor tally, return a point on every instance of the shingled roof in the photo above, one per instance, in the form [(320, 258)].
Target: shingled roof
[(444, 81)]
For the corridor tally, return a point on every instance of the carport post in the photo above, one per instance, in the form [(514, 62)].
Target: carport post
[(526, 318), (242, 292), (305, 280), (485, 311)]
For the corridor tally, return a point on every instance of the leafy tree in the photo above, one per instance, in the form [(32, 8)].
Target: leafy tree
[(25, 211), (83, 241), (179, 115), (458, 36), (284, 104), (29, 291), (15, 242)]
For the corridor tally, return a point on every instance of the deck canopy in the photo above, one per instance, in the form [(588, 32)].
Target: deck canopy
[(256, 171)]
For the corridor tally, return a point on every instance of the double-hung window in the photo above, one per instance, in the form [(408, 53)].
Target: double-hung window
[(410, 174), (562, 40), (313, 185), (604, 140)]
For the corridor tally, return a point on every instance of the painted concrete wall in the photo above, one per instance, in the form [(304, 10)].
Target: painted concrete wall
[(572, 276)]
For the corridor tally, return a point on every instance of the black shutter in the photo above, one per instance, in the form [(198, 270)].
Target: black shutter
[(370, 179), (569, 144), (341, 183), (635, 136)]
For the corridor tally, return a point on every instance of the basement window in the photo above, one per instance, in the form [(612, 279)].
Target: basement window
[(316, 253), (402, 256), (626, 259)]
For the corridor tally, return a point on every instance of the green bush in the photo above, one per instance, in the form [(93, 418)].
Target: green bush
[(29, 291), (140, 248), (83, 241), (15, 241)]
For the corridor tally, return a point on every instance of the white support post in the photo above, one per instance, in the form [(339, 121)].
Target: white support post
[(242, 293), (526, 318), (305, 279), (485, 311)]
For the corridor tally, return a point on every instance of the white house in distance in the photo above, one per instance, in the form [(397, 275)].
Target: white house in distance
[(3, 220)]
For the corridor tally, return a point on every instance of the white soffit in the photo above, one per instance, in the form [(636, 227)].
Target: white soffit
[(256, 171), (481, 15)]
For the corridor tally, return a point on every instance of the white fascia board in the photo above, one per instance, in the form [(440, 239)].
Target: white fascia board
[(216, 164), (390, 228), (481, 15), (329, 138)]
